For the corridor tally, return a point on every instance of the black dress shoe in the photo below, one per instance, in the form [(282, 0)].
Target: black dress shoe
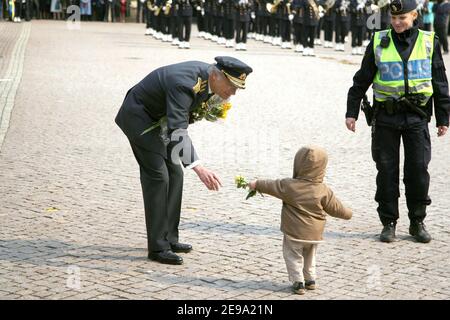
[(181, 247), (417, 230), (388, 233), (166, 256)]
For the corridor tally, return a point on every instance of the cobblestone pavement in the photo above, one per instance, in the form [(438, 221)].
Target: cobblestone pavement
[(72, 221)]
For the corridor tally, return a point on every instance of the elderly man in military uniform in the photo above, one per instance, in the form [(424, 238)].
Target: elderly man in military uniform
[(406, 68), (172, 91)]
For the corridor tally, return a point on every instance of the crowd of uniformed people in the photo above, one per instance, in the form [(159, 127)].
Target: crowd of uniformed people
[(290, 24)]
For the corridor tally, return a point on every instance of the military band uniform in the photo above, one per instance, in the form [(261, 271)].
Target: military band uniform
[(229, 23), (310, 22), (185, 12), (262, 17), (243, 9), (425, 83), (286, 26), (342, 21), (358, 23), (329, 22), (298, 12)]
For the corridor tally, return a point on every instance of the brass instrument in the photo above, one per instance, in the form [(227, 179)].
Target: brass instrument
[(343, 9), (383, 3), (361, 4), (329, 4), (288, 6), (150, 5), (315, 8), (272, 8), (168, 7)]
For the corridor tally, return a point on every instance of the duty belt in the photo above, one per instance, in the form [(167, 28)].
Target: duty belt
[(404, 104)]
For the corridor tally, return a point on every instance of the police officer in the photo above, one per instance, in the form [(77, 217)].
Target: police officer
[(406, 68), (172, 91)]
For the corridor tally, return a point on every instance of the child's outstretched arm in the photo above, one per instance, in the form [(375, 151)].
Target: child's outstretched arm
[(334, 207), (272, 187)]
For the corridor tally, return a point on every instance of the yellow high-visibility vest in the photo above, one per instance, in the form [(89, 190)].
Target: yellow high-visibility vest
[(391, 78)]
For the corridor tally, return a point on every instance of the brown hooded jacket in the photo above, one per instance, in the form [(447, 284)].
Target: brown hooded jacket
[(306, 199)]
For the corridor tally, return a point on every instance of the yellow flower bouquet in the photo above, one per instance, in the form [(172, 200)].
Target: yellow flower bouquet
[(212, 110)]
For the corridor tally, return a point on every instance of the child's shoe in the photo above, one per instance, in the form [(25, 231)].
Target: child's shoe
[(299, 288), (310, 285)]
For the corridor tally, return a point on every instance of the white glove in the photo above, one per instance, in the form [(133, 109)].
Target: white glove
[(198, 8), (291, 17), (253, 15), (374, 7), (203, 12)]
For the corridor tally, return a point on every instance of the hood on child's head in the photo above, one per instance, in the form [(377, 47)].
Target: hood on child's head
[(310, 164)]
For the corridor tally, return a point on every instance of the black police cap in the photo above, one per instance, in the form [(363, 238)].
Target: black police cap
[(402, 6), (235, 70)]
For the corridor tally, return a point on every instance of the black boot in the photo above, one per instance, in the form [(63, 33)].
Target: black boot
[(388, 233), (417, 230)]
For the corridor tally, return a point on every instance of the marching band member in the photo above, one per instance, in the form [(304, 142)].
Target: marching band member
[(342, 23), (298, 12), (329, 22), (185, 12), (358, 22), (244, 8), (310, 22), (229, 23)]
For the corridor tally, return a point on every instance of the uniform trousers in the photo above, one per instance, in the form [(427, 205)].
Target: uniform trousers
[(386, 154), (162, 188)]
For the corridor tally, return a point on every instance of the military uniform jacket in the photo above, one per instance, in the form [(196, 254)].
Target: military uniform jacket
[(243, 11), (286, 7), (342, 10), (298, 11), (171, 91), (358, 15), (330, 13), (184, 8), (310, 17), (261, 8), (230, 9)]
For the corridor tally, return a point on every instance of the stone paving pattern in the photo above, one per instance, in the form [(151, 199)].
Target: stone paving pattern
[(72, 221)]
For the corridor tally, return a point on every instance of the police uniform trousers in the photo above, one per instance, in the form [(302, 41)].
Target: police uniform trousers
[(413, 131), (162, 188)]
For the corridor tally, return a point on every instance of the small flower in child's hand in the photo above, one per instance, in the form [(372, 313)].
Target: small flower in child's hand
[(240, 182), (243, 184)]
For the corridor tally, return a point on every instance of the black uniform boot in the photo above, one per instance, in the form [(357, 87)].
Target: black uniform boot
[(388, 233), (417, 230)]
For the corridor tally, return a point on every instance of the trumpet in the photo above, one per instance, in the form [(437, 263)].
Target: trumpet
[(383, 3), (329, 4), (167, 7), (288, 6), (272, 8)]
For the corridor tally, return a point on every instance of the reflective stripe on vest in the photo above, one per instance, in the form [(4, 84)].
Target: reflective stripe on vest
[(389, 81)]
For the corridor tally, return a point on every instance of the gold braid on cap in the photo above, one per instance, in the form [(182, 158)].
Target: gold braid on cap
[(240, 83)]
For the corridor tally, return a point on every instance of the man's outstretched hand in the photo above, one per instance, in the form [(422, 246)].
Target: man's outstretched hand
[(209, 178), (442, 130), (351, 124)]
